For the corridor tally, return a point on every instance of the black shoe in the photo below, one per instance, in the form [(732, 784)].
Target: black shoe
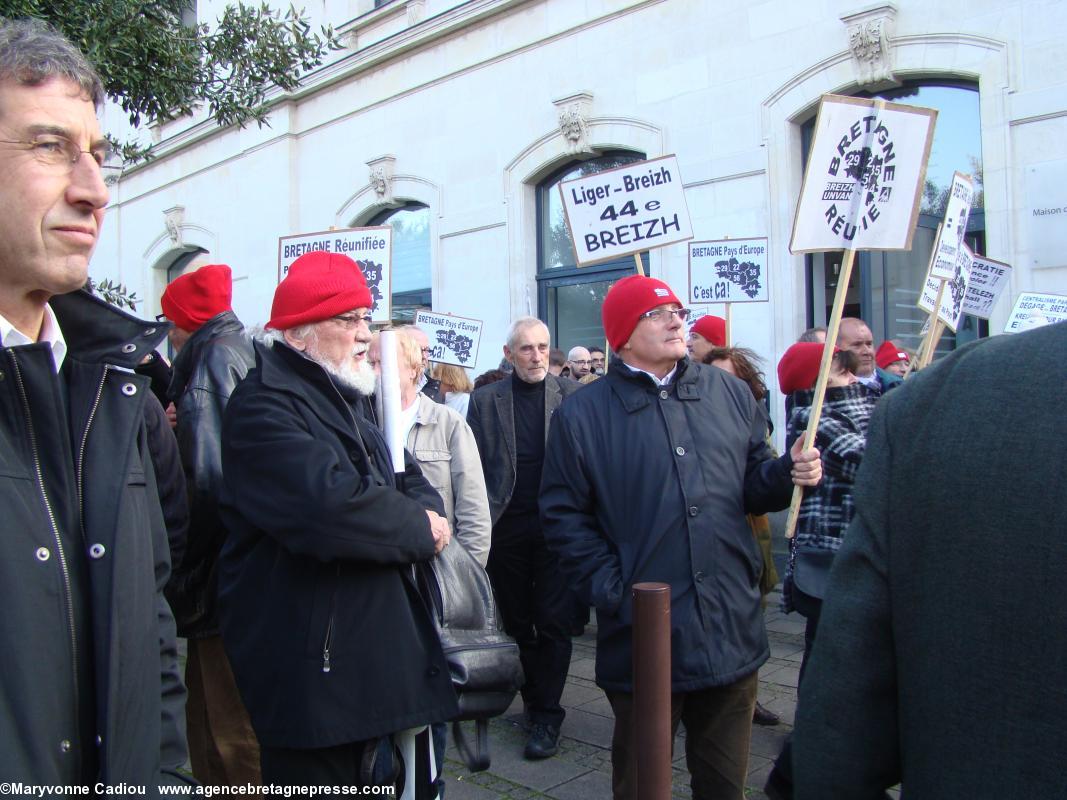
[(762, 716), (543, 741)]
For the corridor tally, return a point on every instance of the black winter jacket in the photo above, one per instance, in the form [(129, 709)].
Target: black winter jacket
[(84, 479), (329, 639), (649, 483), (212, 362)]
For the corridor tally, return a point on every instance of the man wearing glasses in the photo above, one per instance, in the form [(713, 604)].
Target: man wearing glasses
[(648, 476), (579, 362), (331, 643), (213, 356), (89, 681)]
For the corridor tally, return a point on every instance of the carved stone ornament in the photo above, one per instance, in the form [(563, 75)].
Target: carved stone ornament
[(869, 32), (173, 219), (381, 177), (573, 125)]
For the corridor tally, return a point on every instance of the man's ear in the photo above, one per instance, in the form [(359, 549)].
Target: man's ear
[(294, 341), (507, 353)]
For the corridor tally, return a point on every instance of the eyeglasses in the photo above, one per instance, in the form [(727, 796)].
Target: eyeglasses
[(664, 314), (56, 150), (581, 363), (349, 321)]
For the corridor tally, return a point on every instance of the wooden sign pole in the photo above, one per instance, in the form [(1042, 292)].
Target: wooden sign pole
[(933, 314), (640, 264), (729, 338), (820, 384)]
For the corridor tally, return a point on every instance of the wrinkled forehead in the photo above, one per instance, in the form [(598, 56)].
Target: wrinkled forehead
[(532, 335)]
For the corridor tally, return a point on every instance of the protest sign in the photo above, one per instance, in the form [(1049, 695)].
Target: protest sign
[(988, 279), (626, 210), (861, 191), (1035, 310), (953, 228), (728, 271), (371, 248), (453, 340), (864, 176), (952, 298)]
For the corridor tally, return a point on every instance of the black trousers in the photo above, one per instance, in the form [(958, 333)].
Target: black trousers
[(537, 608), (326, 766)]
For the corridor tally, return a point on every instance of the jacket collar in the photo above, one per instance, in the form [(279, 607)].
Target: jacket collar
[(185, 362), (635, 389), (98, 332)]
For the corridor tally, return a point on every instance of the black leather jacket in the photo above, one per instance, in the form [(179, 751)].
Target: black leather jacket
[(206, 371)]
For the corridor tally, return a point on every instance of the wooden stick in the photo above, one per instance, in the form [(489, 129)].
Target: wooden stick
[(729, 339), (640, 264), (938, 331), (933, 316), (820, 384)]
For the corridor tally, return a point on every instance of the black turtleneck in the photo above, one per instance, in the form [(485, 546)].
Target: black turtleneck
[(529, 404)]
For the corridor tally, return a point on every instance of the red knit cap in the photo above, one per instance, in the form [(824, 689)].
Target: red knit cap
[(192, 299), (799, 367), (319, 285), (888, 353), (711, 328), (627, 301)]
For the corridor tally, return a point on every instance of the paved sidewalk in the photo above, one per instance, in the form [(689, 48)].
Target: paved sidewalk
[(582, 768)]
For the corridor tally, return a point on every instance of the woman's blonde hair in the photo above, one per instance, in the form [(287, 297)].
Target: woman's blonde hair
[(453, 377)]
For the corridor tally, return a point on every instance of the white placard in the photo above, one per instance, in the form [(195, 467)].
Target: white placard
[(1035, 310), (453, 340), (951, 310), (626, 210), (988, 279), (864, 176), (371, 248), (954, 227), (728, 271)]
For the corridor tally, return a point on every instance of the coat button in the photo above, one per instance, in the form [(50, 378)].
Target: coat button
[(64, 746), (128, 348), (680, 450), (99, 740), (663, 394), (96, 551), (43, 554), (129, 389), (699, 577), (693, 511)]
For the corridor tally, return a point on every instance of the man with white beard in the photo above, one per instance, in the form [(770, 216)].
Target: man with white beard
[(331, 644)]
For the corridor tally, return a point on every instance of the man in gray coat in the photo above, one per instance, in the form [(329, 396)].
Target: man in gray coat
[(510, 421), (89, 684), (942, 645)]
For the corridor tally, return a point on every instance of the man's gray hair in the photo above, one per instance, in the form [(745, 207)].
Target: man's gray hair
[(518, 326), (32, 52), (271, 336)]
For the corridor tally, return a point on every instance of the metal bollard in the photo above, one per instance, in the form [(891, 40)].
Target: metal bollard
[(652, 690)]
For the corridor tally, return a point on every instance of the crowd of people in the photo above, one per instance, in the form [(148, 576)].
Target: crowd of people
[(253, 509)]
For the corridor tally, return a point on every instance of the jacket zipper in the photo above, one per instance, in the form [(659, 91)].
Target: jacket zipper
[(79, 469), (329, 624), (67, 592)]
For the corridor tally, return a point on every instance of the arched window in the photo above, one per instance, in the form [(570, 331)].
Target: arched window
[(411, 279), (886, 284), (569, 297)]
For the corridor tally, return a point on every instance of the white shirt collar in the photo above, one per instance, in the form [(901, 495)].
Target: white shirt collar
[(871, 380), (665, 380), (51, 334)]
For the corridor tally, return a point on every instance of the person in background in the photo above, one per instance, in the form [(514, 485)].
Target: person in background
[(706, 333), (427, 384), (827, 509), (557, 363), (578, 362), (892, 358), (854, 334), (817, 334), (743, 363), (456, 385), (213, 354), (596, 356), (487, 377)]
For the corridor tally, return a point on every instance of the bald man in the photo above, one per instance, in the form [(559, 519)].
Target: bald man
[(580, 362)]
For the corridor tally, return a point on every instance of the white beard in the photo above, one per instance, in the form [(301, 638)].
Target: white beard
[(357, 375)]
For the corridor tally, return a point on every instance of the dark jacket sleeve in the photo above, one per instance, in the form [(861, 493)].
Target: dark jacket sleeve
[(173, 751), (768, 484), (845, 742), (569, 522), (283, 480), (170, 480)]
